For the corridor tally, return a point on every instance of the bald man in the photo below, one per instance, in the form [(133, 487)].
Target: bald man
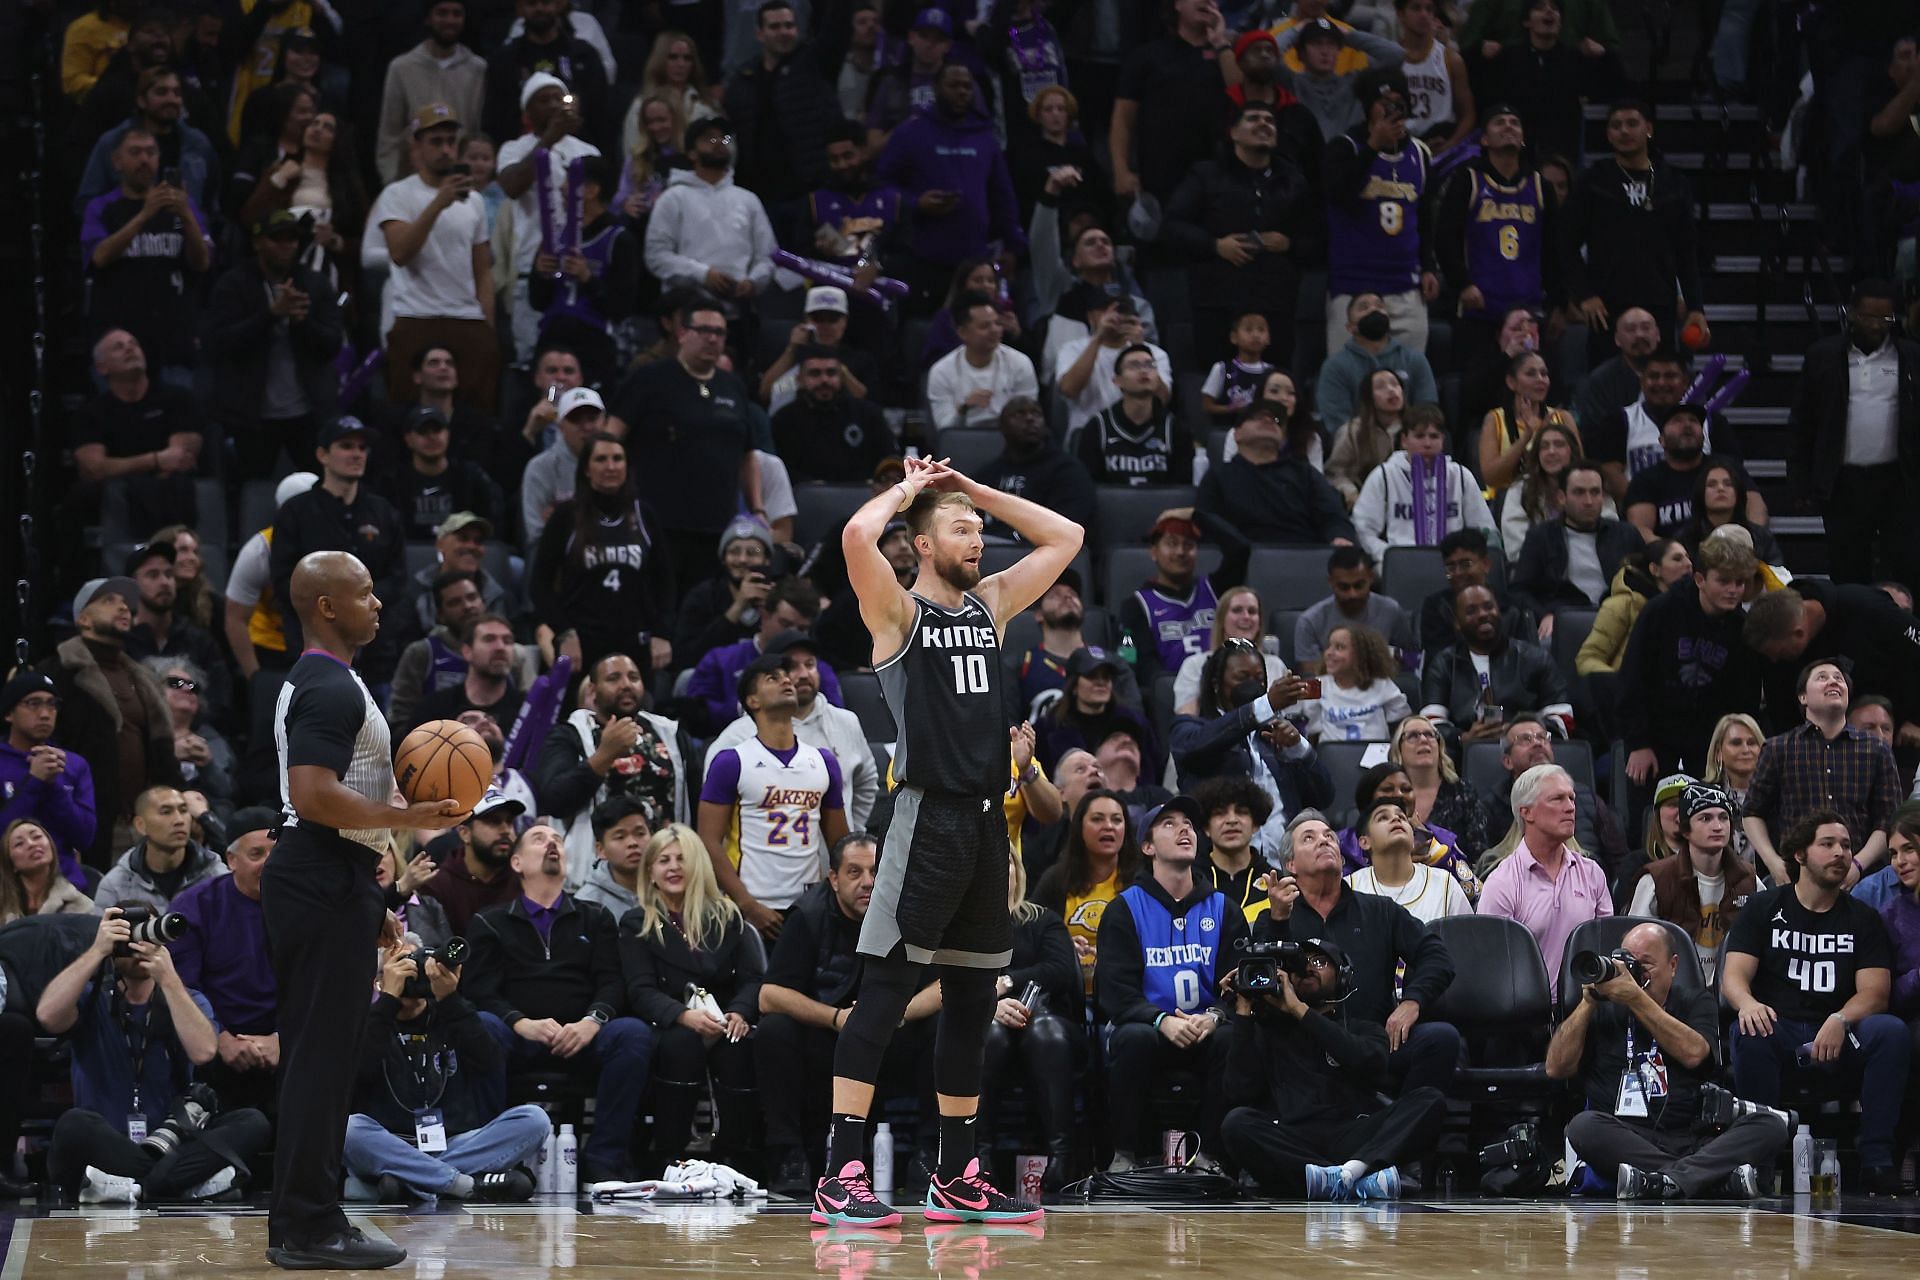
[(324, 911)]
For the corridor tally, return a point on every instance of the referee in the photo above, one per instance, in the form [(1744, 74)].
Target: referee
[(324, 912)]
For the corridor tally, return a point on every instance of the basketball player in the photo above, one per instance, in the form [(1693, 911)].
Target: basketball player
[(323, 907), (772, 805), (941, 895)]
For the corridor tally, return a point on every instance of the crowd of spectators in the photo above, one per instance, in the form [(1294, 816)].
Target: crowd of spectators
[(567, 323)]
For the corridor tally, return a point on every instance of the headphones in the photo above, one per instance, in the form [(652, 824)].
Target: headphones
[(1342, 967)]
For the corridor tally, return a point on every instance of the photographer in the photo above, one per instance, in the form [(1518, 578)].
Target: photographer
[(1398, 967), (1308, 1120), (429, 1075), (1642, 1055), (132, 1134), (1161, 947)]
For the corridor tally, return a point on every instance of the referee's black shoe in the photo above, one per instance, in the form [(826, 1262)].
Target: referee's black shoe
[(343, 1251)]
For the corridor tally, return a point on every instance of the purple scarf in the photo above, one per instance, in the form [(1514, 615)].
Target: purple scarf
[(1429, 476), (568, 241)]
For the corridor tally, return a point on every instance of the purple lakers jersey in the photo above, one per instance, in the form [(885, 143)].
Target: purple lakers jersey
[(1504, 242), (1374, 236)]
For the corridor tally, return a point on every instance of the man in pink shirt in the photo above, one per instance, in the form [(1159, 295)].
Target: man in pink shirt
[(1543, 884)]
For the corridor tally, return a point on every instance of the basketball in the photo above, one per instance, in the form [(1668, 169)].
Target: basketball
[(443, 760), (1693, 337)]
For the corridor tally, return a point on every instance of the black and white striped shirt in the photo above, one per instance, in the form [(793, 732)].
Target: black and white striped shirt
[(325, 716)]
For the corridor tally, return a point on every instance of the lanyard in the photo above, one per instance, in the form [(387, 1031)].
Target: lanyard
[(136, 1036)]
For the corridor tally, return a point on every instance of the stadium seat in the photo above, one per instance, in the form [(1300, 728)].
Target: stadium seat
[(1482, 767), (256, 507), (1281, 625), (1411, 574), (823, 508), (1343, 765), (421, 555), (1604, 935), (1500, 1002), (1129, 568), (1122, 514), (209, 521), (969, 448), (1001, 556), (860, 690), (1571, 627), (1288, 577)]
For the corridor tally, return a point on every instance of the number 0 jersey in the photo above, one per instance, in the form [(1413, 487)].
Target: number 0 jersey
[(943, 688), (778, 799), (1180, 954), (1374, 234)]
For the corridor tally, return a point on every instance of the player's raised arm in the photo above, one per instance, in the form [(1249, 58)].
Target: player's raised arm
[(884, 605), (1056, 541)]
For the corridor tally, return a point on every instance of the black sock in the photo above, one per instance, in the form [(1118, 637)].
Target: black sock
[(956, 1145), (846, 1142)]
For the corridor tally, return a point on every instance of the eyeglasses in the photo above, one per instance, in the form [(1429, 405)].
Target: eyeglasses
[(1419, 735), (181, 682), (43, 703), (1239, 644)]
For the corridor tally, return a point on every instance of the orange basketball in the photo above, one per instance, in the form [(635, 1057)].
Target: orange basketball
[(443, 760), (1693, 337)]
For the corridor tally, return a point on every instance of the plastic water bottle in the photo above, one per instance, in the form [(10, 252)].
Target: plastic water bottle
[(883, 1157), (566, 1168), (1803, 1161), (545, 1160)]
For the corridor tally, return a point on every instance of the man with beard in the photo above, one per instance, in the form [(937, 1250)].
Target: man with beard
[(825, 433), (1518, 676), (612, 746), (438, 69), (771, 805), (112, 99), (1042, 670), (1299, 133), (458, 597), (159, 109), (480, 876), (1171, 617), (818, 723), (159, 632), (1659, 498), (1571, 558), (1615, 383), (706, 230), (495, 681), (549, 48), (544, 972), (784, 105), (825, 328), (1630, 440)]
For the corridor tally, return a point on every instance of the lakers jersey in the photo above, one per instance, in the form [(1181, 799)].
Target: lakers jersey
[(778, 800)]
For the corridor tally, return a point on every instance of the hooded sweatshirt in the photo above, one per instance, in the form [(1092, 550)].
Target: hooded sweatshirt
[(1347, 371), (1682, 672), (1383, 515), (698, 225), (932, 153), (132, 883)]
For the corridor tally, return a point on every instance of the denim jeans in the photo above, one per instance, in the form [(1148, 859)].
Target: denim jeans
[(502, 1142), (622, 1053), (1878, 1069)]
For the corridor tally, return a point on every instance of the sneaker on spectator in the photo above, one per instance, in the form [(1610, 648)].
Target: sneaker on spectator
[(1327, 1182), (510, 1185), (100, 1187), (1637, 1184), (1381, 1184), (1742, 1184)]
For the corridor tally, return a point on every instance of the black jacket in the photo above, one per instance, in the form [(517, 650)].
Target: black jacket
[(238, 333), (1119, 986), (371, 529), (781, 118), (1520, 677), (1542, 568), (839, 442), (701, 622), (1437, 630), (567, 784), (1043, 953), (1223, 198), (513, 973), (1284, 501), (450, 1070), (89, 726), (1049, 477), (1681, 673), (1378, 935), (1325, 1067), (1865, 627), (659, 970), (1217, 748), (1819, 422), (1633, 257)]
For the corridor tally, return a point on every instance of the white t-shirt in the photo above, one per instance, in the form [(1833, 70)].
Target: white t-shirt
[(1365, 714), (526, 216), (249, 577), (1431, 893), (438, 283), (1712, 889), (1101, 392), (953, 378)]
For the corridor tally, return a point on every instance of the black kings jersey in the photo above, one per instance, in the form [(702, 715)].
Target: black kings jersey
[(943, 688)]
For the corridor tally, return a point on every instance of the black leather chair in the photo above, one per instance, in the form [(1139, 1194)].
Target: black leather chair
[(861, 692), (1500, 1003), (1605, 934)]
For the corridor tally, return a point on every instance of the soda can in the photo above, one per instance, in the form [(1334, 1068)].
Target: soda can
[(1175, 1148), (1032, 1169)]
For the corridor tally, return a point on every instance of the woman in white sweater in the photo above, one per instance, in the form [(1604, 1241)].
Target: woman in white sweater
[(1395, 511)]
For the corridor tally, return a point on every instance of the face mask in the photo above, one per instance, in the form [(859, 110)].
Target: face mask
[(1247, 692), (1373, 326)]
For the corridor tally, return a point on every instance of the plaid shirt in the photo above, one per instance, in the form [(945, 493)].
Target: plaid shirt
[(1802, 770)]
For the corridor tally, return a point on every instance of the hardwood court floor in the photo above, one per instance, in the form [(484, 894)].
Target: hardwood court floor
[(1426, 1240)]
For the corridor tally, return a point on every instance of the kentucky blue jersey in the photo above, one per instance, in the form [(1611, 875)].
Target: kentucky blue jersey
[(1504, 243), (1374, 237), (1182, 953)]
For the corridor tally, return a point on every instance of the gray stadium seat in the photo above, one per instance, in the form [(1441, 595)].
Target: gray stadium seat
[(1127, 568), (1570, 630), (1411, 574), (1288, 577), (1484, 770), (1122, 514), (421, 555), (861, 692), (209, 521), (969, 448), (1281, 625), (256, 507), (823, 508), (996, 558)]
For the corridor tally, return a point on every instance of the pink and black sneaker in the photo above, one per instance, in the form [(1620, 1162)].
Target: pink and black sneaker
[(971, 1198), (846, 1199)]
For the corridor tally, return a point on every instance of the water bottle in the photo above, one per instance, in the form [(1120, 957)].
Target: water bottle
[(566, 1169), (883, 1158), (542, 1170), (1803, 1161), (1129, 653)]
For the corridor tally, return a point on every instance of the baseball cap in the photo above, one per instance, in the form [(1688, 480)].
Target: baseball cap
[(932, 19), (1502, 109), (434, 115), (1685, 409), (1321, 29), (765, 664), (422, 415), (826, 297), (292, 486), (126, 588), (255, 817), (578, 398), (24, 686), (463, 520), (339, 429), (278, 224), (147, 551), (1671, 787), (536, 82), (793, 638), (1070, 577), (890, 469), (1175, 520), (497, 801), (1179, 804), (1087, 660), (701, 128)]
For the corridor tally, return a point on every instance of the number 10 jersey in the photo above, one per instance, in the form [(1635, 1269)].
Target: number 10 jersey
[(943, 688)]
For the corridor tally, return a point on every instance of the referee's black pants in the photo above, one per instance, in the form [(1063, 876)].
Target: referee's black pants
[(1276, 1153), (323, 912)]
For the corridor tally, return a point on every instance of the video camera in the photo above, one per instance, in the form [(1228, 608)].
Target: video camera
[(1590, 967), (146, 925), (1257, 971), (451, 955)]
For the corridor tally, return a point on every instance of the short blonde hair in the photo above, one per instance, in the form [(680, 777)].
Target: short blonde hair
[(926, 506)]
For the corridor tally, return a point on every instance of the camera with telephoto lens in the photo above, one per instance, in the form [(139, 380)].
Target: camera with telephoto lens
[(1257, 971), (451, 955), (188, 1115), (146, 925), (1590, 967), (1719, 1108)]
